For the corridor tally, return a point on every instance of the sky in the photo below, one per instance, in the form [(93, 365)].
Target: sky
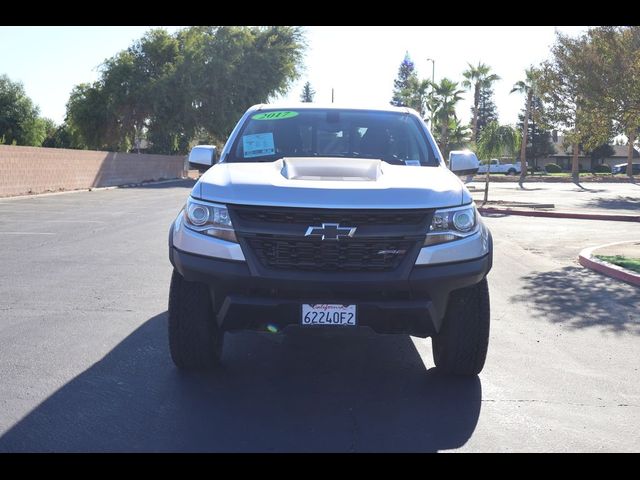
[(359, 63)]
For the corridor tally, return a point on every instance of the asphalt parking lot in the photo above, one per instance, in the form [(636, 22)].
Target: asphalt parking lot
[(84, 362)]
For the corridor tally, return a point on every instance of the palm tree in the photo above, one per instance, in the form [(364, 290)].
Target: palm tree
[(477, 78), (495, 141), (459, 135), (528, 87), (414, 95), (442, 104)]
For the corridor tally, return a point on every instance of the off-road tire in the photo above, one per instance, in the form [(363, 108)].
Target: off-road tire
[(460, 348), (195, 341)]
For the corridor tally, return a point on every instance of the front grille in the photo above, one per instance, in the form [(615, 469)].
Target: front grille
[(347, 255), (311, 216), (274, 237)]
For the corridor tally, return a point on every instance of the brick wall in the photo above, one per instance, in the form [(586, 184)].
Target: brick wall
[(38, 170)]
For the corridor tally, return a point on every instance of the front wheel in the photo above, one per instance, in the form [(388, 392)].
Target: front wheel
[(460, 348), (511, 172), (195, 341)]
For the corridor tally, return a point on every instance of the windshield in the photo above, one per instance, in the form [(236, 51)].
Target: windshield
[(394, 137)]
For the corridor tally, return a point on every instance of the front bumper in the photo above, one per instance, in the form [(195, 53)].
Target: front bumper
[(415, 305)]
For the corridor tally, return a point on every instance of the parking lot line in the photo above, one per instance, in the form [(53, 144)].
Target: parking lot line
[(26, 233)]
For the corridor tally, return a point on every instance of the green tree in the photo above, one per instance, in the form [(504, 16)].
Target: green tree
[(90, 118), (163, 93), (600, 152), (60, 137), (177, 88), (409, 90), (223, 71), (36, 132), (609, 68), (417, 94), (401, 85), (19, 121), (459, 135), (496, 140), (307, 93), (442, 103), (476, 79), (539, 144), (487, 110), (528, 88), (50, 128), (570, 106)]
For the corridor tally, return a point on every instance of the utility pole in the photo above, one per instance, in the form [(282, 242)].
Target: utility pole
[(331, 94), (433, 69), (433, 80)]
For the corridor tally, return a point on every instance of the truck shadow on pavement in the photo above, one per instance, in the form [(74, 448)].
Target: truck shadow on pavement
[(581, 298), (343, 392)]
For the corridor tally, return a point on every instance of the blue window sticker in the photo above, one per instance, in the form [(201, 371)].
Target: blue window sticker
[(258, 145), (412, 163)]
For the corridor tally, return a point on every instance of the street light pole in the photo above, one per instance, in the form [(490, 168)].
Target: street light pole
[(433, 79), (433, 69)]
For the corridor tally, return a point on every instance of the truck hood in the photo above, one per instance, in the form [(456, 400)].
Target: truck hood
[(331, 182)]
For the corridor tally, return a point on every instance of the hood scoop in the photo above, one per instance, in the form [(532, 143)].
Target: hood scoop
[(331, 169)]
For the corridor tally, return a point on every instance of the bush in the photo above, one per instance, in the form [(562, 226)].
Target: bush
[(604, 168), (553, 168)]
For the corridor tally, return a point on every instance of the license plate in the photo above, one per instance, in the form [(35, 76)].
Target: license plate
[(328, 314)]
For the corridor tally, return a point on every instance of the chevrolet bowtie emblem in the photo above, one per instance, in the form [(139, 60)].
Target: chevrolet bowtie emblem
[(330, 231)]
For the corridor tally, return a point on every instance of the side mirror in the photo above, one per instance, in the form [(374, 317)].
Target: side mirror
[(202, 157), (463, 162)]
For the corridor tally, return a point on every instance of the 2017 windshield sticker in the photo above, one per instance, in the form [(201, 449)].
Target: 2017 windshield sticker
[(280, 115), (258, 145)]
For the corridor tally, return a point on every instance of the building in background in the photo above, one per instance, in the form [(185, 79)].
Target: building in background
[(563, 156)]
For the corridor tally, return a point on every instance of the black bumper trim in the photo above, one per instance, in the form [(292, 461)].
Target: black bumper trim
[(240, 312)]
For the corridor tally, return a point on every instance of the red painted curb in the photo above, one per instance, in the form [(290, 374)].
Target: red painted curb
[(603, 268), (583, 216)]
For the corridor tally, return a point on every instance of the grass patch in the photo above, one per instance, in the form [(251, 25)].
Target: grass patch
[(625, 262)]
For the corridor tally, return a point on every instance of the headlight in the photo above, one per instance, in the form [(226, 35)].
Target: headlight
[(209, 218), (452, 224)]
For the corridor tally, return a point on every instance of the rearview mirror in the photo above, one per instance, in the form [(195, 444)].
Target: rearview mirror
[(202, 157), (463, 162)]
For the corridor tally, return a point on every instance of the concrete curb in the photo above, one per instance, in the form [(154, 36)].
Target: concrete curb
[(583, 216), (92, 189), (586, 259)]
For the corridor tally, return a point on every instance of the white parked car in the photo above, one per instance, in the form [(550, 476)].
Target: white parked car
[(497, 166), (622, 168)]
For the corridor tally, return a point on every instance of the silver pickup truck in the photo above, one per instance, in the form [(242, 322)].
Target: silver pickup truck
[(328, 217)]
